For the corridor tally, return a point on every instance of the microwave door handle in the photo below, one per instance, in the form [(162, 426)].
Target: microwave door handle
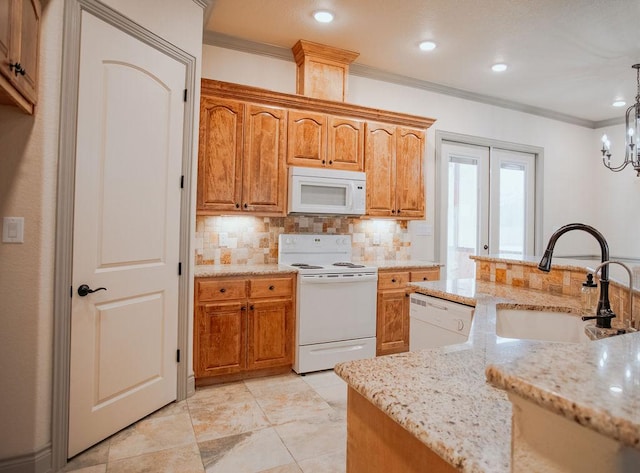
[(350, 195)]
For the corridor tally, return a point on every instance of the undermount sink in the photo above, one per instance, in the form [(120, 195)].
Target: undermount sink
[(540, 325)]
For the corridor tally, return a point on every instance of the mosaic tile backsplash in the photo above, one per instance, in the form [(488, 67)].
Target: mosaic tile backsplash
[(254, 240)]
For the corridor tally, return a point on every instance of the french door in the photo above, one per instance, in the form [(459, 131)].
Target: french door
[(488, 205)]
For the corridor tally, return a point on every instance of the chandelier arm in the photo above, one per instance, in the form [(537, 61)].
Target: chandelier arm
[(617, 168)]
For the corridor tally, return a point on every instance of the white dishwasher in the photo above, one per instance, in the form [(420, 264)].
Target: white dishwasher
[(435, 322)]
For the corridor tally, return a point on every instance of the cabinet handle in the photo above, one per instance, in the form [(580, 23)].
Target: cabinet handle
[(406, 294), (244, 307), (245, 206), (399, 210), (330, 162), (271, 288), (393, 280), (17, 68), (393, 211), (323, 161), (237, 205), (425, 278), (223, 290), (251, 307)]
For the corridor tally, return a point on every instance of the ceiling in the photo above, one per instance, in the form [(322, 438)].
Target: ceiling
[(568, 59)]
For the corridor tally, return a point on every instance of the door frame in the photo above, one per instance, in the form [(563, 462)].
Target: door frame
[(441, 183), (65, 203)]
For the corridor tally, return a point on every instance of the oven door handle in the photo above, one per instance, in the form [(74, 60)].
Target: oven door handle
[(339, 279)]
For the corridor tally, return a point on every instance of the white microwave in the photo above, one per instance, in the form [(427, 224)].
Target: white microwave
[(314, 191)]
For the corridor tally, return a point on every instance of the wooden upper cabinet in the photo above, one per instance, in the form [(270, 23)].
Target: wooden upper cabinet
[(264, 182), (307, 139), (241, 158), (380, 163), (220, 155), (19, 40), (409, 177), (320, 140), (345, 144), (393, 161)]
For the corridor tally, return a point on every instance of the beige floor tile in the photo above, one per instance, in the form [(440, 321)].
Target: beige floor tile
[(92, 469), (175, 460), (290, 468), (214, 420), (271, 385), (331, 463), (250, 452), (171, 410), (314, 436), (285, 407), (335, 395), (151, 435), (220, 394), (322, 379), (94, 456)]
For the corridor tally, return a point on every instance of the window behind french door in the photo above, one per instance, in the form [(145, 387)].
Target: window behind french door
[(489, 204)]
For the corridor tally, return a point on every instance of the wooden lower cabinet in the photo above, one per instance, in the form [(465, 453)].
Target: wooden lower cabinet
[(392, 322), (244, 327)]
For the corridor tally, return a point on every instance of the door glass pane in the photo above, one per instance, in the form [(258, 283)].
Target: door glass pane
[(512, 209), (462, 235)]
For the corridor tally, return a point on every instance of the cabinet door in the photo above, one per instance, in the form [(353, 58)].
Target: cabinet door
[(7, 24), (264, 184), (27, 53), (409, 178), (220, 155), (220, 339), (392, 333), (345, 144), (307, 133), (270, 336), (380, 159)]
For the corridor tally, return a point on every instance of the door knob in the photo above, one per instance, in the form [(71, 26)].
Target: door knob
[(486, 247), (83, 290)]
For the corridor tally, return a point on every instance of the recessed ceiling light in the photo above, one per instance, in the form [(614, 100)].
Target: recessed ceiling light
[(323, 16), (427, 46), (499, 67), (619, 103)]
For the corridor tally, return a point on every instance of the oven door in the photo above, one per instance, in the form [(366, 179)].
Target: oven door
[(335, 307)]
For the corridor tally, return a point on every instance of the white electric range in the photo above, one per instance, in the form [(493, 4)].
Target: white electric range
[(336, 301)]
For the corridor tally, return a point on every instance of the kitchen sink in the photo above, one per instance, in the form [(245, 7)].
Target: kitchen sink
[(540, 325)]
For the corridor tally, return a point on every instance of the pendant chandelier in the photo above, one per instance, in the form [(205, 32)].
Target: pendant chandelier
[(632, 127)]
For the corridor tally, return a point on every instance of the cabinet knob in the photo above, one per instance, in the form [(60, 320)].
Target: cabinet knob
[(425, 278), (251, 307), (393, 280), (323, 161), (17, 68), (237, 205), (393, 211), (271, 288), (399, 210), (406, 294), (330, 162), (223, 290), (244, 307), (245, 206)]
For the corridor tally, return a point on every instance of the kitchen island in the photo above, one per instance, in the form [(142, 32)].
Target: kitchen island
[(441, 398)]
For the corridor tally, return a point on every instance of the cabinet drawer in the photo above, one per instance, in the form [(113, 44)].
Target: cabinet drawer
[(272, 287), (221, 290), (425, 275), (392, 280)]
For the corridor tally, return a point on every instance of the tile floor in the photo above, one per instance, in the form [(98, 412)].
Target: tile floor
[(278, 424)]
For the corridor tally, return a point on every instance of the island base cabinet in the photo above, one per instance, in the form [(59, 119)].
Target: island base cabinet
[(544, 441), (377, 444)]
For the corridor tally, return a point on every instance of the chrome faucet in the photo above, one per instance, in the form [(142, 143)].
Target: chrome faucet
[(631, 322), (604, 314)]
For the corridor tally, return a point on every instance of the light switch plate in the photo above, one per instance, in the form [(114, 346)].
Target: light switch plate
[(13, 230)]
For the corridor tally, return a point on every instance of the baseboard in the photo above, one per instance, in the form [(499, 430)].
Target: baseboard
[(36, 462), (191, 385)]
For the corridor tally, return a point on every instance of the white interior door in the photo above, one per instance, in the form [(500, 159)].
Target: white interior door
[(126, 233)]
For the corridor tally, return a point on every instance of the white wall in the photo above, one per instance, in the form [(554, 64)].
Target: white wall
[(28, 172), (567, 148)]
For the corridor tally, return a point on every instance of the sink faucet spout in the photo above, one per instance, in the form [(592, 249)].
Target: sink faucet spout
[(604, 314)]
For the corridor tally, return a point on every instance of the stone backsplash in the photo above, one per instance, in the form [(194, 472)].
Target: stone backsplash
[(254, 240)]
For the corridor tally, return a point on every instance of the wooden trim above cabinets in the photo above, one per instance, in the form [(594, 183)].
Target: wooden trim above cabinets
[(299, 102)]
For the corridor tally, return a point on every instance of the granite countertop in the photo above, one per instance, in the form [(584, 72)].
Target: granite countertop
[(212, 270), (442, 397)]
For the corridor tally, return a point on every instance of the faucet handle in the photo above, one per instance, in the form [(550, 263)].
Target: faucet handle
[(603, 318)]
